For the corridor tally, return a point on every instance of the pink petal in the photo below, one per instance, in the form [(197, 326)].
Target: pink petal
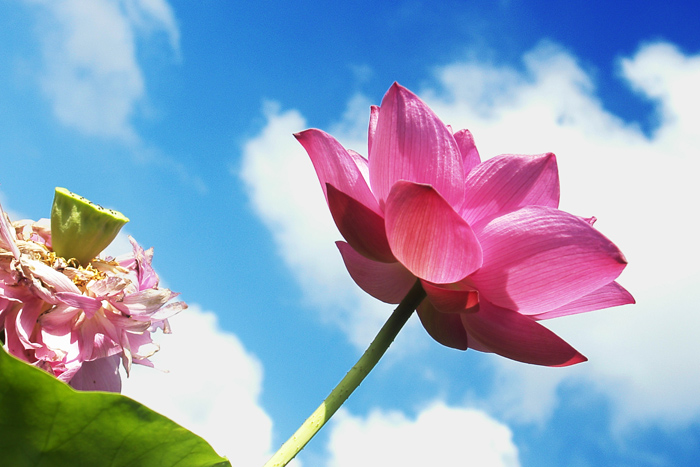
[(13, 343), (97, 338), (475, 344), (518, 337), (360, 226), (411, 143), (146, 274), (163, 325), (427, 236), (83, 302), (373, 118), (612, 294), (168, 311), (66, 372), (109, 286), (5, 306), (144, 302), (470, 155), (446, 328), (25, 323), (388, 282), (361, 163), (56, 281), (60, 320), (537, 259), (142, 345), (7, 236), (118, 323), (98, 375), (144, 362), (55, 344), (335, 166), (449, 300), (16, 294), (508, 182)]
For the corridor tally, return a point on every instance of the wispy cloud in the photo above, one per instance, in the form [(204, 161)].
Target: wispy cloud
[(91, 75), (639, 187), (154, 17)]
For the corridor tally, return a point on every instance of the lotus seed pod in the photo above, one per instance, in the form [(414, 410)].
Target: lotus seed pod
[(81, 229)]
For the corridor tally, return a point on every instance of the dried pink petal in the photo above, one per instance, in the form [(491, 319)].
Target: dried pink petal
[(78, 322)]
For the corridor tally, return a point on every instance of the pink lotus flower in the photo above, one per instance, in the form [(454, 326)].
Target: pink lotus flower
[(486, 240), (78, 322)]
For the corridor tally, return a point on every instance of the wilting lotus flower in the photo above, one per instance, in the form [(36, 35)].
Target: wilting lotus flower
[(78, 319), (486, 240)]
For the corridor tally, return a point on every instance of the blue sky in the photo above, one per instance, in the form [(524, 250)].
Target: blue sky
[(181, 115)]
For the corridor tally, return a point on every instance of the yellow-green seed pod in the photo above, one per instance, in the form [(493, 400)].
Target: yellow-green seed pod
[(81, 229)]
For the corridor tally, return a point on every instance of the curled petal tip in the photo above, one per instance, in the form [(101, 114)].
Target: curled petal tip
[(336, 165), (300, 134), (621, 258), (518, 337), (578, 358)]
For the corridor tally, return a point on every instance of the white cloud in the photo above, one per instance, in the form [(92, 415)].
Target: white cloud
[(91, 75), (212, 387), (438, 435), (641, 188), (661, 72), (154, 16)]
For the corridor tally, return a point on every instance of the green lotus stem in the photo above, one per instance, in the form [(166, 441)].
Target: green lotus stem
[(352, 379), (80, 229)]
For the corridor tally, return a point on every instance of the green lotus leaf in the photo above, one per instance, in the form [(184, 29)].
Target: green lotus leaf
[(44, 422)]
